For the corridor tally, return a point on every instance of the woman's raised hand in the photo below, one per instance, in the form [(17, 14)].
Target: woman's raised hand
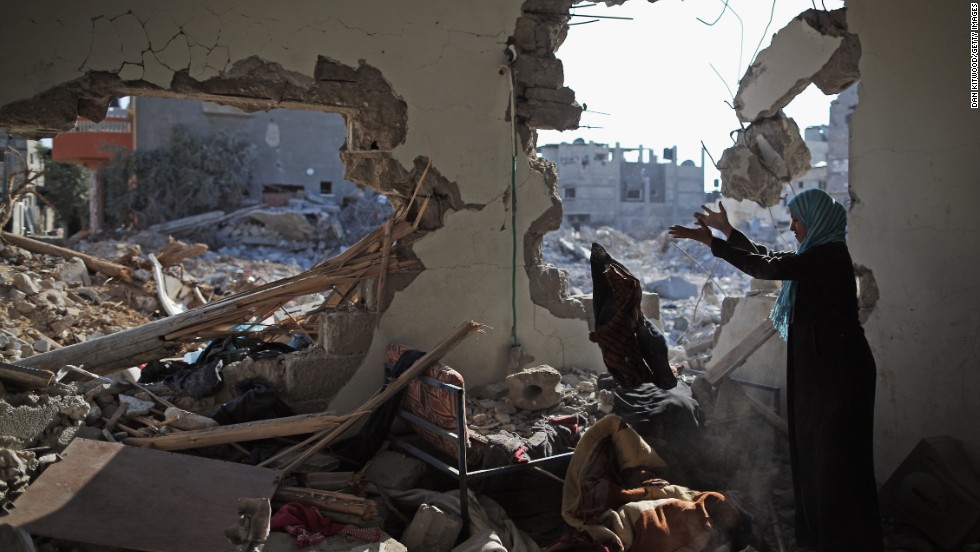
[(715, 219), (701, 233)]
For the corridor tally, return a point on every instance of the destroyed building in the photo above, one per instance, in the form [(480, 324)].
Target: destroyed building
[(427, 89), (600, 186), (295, 150)]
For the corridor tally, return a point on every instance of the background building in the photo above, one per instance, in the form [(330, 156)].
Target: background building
[(20, 160), (626, 188), (839, 143), (92, 145), (297, 151)]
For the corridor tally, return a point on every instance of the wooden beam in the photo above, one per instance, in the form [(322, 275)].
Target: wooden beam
[(768, 415), (94, 264), (328, 436), (163, 338), (25, 377), (234, 433), (740, 353)]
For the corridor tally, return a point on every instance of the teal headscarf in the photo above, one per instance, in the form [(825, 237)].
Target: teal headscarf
[(826, 221)]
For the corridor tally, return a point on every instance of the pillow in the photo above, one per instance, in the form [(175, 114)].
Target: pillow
[(434, 404)]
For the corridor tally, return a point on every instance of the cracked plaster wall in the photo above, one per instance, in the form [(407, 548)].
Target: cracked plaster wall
[(913, 170), (438, 63)]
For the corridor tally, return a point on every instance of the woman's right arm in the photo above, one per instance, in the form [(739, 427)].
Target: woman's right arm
[(765, 265)]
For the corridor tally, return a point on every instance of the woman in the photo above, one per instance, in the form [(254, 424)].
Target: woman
[(830, 376)]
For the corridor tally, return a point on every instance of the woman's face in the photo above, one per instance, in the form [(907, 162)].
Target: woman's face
[(799, 230)]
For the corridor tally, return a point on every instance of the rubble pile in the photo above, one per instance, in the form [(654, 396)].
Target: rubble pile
[(497, 407), (690, 282), (49, 303), (34, 428)]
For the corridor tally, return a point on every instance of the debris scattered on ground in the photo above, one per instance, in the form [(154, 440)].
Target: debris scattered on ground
[(57, 301)]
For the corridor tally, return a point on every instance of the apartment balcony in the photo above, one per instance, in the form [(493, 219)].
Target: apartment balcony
[(92, 144)]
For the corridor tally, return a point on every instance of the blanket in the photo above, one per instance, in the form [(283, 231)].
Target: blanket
[(613, 494)]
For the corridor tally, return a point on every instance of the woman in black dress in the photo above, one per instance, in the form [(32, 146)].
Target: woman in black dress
[(830, 376)]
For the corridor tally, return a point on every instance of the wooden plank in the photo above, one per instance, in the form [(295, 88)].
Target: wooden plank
[(27, 377), (740, 353), (326, 437), (138, 498), (158, 339), (233, 433), (94, 264), (768, 415)]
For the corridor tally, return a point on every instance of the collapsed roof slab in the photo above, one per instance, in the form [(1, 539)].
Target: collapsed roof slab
[(815, 43), (767, 154)]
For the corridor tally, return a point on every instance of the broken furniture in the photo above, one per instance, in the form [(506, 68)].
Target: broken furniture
[(139, 498), (441, 421), (936, 490)]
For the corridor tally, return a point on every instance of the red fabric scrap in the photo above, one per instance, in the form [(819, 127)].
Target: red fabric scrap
[(310, 527)]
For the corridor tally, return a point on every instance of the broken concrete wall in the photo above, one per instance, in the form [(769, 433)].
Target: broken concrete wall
[(913, 172), (413, 81), (767, 365)]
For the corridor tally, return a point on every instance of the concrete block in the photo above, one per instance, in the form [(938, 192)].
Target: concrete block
[(784, 69), (136, 407), (25, 283), (535, 388), (393, 470), (305, 380), (74, 271), (432, 530), (650, 305), (348, 332), (768, 364), (188, 420), (766, 155), (673, 287), (27, 423), (540, 71), (89, 432)]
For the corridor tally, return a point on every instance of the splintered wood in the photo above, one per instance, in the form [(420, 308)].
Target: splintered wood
[(340, 274), (138, 498), (305, 450)]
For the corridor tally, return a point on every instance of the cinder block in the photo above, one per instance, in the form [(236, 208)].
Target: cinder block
[(306, 380), (432, 530), (347, 332), (393, 470), (535, 388)]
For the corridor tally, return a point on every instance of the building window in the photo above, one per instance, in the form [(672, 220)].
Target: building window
[(822, 184), (569, 193), (799, 184), (326, 187), (634, 195)]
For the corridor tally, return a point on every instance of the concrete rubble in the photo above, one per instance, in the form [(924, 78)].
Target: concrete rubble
[(766, 155), (815, 47)]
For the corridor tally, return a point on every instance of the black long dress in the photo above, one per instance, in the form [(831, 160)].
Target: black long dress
[(830, 380)]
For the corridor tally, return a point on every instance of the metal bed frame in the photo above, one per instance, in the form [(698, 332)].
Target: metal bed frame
[(460, 472)]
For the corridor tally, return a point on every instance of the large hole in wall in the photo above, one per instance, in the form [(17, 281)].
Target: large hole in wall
[(624, 190), (356, 102)]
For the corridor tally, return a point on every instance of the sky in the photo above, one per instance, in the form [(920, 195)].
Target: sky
[(662, 78)]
